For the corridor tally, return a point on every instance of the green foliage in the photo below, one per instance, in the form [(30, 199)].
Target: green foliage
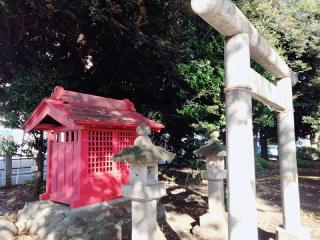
[(305, 163), (205, 104), (313, 120), (308, 153), (261, 164), (293, 28), (8, 146), (25, 91), (159, 54)]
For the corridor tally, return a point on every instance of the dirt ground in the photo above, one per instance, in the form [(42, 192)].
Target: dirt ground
[(184, 203), (188, 203)]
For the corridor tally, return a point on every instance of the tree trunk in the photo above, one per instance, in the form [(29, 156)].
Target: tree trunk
[(264, 145), (39, 173), (255, 143), (7, 171), (315, 139)]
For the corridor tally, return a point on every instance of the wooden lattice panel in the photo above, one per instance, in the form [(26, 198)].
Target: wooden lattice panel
[(125, 139), (99, 151)]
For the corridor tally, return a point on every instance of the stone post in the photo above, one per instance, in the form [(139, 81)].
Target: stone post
[(242, 219), (291, 228), (213, 225), (7, 174), (144, 189)]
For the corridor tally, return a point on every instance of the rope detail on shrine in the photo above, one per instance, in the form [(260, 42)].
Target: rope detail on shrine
[(238, 87)]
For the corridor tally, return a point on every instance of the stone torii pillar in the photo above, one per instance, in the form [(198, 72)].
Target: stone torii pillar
[(213, 225), (240, 158), (291, 228), (144, 189)]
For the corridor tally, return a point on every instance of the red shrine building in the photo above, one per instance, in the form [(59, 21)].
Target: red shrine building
[(84, 132)]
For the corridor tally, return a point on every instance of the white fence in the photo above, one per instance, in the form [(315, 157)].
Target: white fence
[(22, 170)]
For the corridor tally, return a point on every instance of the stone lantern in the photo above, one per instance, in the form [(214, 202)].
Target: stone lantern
[(144, 189), (213, 225)]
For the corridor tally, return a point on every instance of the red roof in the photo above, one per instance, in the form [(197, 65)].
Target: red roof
[(69, 109)]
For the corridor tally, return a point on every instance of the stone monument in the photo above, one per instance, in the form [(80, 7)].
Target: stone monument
[(213, 225), (144, 189)]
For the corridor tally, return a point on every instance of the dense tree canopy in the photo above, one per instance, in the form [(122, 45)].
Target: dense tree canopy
[(159, 54)]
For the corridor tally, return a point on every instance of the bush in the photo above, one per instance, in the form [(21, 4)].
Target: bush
[(261, 164), (306, 156), (305, 163), (308, 153)]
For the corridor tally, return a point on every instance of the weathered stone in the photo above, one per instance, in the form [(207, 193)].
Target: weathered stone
[(78, 238), (143, 149), (100, 217), (144, 188), (42, 232), (241, 184), (267, 92), (8, 229), (22, 220), (56, 219), (20, 226), (97, 222), (74, 231), (78, 221), (3, 211)]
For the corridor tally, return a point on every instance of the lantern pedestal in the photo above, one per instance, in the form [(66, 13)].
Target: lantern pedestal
[(215, 189), (214, 224), (144, 208)]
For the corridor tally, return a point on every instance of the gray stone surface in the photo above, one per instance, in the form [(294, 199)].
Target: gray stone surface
[(8, 230), (53, 221), (241, 180), (144, 188), (268, 93), (213, 148), (144, 192)]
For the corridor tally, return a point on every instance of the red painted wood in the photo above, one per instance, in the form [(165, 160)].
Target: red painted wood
[(70, 109), (85, 131)]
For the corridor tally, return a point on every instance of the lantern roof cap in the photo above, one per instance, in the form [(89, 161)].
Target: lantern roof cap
[(213, 147), (143, 151)]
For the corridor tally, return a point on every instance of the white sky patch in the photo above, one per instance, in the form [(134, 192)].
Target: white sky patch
[(88, 62)]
